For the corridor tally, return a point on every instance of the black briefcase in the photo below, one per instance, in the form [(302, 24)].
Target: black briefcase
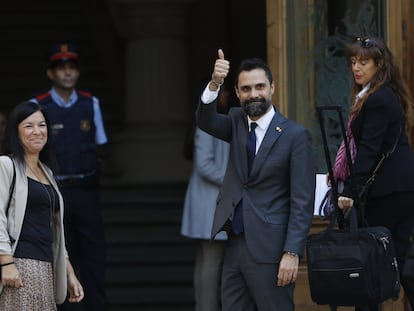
[(350, 265), (355, 266)]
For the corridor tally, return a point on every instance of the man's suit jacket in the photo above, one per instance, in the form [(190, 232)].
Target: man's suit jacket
[(278, 196)]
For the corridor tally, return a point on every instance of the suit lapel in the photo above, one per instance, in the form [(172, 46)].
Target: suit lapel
[(274, 131), (241, 155)]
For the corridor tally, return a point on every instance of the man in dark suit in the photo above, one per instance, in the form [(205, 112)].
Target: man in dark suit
[(266, 201)]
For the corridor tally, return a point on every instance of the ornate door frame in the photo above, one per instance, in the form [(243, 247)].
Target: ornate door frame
[(305, 57)]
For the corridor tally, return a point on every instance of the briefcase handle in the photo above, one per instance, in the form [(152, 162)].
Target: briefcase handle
[(336, 214)]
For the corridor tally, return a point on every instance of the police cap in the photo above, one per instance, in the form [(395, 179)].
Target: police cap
[(63, 52)]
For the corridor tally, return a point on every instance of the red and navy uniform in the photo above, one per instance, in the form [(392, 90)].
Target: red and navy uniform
[(73, 133)]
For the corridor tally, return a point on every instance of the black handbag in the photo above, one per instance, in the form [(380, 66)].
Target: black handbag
[(353, 265)]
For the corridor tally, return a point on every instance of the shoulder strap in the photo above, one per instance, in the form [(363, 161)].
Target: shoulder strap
[(383, 157), (11, 186), (363, 192)]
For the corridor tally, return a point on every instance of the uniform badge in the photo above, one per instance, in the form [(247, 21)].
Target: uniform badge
[(84, 125), (56, 127), (64, 48)]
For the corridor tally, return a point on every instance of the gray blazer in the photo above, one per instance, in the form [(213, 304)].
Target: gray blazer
[(210, 162), (12, 224), (278, 196)]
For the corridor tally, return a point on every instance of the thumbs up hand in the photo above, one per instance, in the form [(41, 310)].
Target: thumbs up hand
[(221, 69)]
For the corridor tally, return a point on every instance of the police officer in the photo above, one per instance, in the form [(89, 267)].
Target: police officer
[(77, 130)]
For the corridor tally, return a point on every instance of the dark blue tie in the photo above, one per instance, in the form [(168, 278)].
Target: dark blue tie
[(237, 222), (251, 146)]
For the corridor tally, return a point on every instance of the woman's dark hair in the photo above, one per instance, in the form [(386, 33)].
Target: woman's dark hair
[(388, 73), (251, 64), (13, 144)]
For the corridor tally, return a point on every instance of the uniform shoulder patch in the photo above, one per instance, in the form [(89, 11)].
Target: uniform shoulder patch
[(84, 93), (41, 97)]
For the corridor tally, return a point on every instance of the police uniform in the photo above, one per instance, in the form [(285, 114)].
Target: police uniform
[(77, 129)]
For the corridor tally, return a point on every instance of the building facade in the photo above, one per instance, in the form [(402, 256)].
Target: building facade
[(147, 60)]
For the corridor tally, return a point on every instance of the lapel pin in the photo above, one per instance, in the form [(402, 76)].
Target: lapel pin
[(278, 129)]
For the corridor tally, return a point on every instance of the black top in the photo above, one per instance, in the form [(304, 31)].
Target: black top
[(36, 237)]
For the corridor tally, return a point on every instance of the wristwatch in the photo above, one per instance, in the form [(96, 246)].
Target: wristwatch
[(292, 254)]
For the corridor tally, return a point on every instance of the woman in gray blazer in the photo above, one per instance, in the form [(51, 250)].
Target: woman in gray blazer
[(210, 163), (35, 269)]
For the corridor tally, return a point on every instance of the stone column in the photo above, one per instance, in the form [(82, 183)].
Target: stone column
[(149, 150)]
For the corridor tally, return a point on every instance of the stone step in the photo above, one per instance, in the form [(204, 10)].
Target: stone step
[(149, 264)]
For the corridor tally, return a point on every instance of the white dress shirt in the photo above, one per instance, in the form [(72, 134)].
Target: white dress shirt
[(263, 122)]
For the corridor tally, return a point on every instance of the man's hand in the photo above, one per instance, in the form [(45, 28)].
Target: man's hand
[(288, 269), (221, 70)]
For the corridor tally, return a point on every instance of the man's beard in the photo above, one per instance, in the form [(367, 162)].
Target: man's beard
[(256, 107)]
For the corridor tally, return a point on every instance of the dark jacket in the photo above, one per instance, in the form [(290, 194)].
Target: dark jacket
[(375, 131), (278, 195)]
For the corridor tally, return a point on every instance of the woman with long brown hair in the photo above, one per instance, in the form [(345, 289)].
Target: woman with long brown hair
[(381, 121)]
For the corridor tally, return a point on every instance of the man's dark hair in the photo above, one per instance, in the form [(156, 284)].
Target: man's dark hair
[(251, 64)]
